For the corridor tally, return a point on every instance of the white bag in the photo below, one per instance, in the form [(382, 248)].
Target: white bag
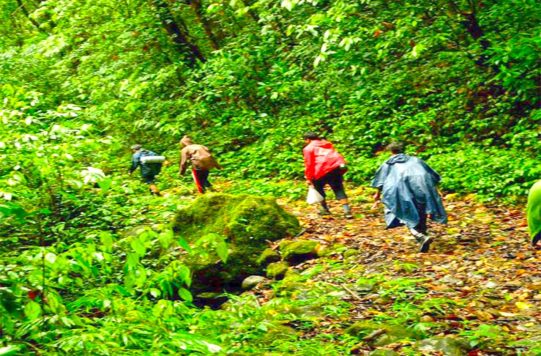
[(313, 196), (152, 159)]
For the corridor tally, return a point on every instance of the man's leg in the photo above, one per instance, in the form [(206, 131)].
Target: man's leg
[(202, 180), (197, 180), (336, 181), (319, 185), (149, 179), (421, 227), (205, 179), (419, 231)]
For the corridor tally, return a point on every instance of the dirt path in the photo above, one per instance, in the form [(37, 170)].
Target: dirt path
[(480, 280)]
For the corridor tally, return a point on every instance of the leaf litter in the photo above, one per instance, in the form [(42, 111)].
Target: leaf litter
[(480, 281)]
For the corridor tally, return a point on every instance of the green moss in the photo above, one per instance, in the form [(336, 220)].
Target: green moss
[(277, 270), (245, 222), (299, 249), (268, 256), (283, 244), (237, 217), (389, 333), (351, 252)]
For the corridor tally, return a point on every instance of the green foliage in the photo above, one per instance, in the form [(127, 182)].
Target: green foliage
[(437, 75), (484, 334), (88, 268), (488, 172)]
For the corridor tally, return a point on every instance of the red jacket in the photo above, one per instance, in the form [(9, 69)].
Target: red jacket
[(320, 158)]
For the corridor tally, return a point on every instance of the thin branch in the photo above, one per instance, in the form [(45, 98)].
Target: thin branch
[(25, 12)]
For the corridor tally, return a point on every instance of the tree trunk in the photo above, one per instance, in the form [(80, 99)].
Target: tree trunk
[(178, 32), (198, 11), (471, 24), (25, 12)]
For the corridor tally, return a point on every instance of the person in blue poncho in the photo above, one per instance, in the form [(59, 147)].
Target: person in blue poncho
[(407, 188)]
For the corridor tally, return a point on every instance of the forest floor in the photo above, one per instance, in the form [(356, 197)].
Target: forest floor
[(479, 285)]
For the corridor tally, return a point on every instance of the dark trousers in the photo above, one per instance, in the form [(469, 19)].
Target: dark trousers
[(421, 226), (201, 177), (335, 179)]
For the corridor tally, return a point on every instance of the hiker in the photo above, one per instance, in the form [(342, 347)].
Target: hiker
[(534, 213), (201, 160), (324, 165), (150, 163), (407, 187)]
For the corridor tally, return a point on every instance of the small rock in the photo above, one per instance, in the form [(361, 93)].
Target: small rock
[(277, 270), (427, 319), (449, 280), (252, 281), (365, 287), (491, 285), (448, 346)]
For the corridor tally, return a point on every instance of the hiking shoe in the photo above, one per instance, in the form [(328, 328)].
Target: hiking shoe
[(425, 244), (348, 215), (324, 212)]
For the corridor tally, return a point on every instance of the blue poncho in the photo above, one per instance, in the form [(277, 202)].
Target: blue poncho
[(408, 183)]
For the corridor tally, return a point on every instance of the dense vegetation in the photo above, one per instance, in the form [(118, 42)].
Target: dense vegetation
[(80, 81)]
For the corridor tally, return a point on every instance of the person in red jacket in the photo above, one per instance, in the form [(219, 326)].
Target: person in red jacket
[(323, 165)]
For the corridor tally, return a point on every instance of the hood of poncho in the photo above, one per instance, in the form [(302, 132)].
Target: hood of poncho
[(399, 158)]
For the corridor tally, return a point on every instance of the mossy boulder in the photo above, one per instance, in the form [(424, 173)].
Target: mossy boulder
[(244, 222), (277, 270), (268, 256), (300, 250)]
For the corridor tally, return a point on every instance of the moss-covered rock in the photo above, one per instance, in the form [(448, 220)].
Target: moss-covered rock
[(299, 250), (379, 334), (244, 222), (268, 256), (237, 217), (277, 270)]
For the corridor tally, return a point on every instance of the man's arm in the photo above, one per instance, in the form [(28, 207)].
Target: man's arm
[(308, 165), (134, 163), (377, 182), (183, 161), (377, 198)]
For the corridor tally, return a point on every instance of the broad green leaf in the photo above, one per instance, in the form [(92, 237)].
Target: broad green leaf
[(222, 250), (184, 244), (9, 350), (32, 310), (185, 294), (138, 246)]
